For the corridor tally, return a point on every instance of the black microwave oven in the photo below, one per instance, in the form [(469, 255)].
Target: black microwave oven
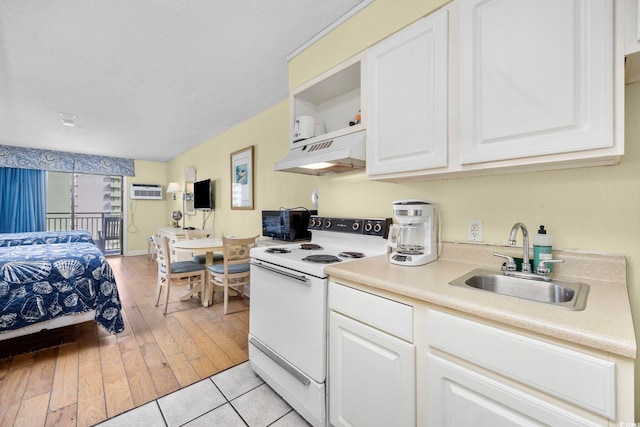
[(286, 224)]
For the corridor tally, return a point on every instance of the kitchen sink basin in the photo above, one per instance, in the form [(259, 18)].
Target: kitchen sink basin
[(569, 295)]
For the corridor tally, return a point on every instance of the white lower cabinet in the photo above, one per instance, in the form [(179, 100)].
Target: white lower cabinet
[(481, 375), (401, 362), (371, 371), (458, 396)]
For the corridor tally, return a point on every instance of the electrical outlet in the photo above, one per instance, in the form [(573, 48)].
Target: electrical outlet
[(474, 230)]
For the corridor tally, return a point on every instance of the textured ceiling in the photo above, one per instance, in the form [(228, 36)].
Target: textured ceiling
[(148, 79)]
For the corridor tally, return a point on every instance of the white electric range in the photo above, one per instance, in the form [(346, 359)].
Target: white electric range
[(289, 298)]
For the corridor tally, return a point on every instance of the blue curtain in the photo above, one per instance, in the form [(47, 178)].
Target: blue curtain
[(22, 200)]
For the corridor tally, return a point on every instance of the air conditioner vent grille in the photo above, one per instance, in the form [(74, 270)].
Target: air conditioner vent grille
[(146, 191)]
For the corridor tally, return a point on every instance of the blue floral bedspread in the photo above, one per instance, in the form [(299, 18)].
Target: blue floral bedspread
[(44, 237), (40, 282)]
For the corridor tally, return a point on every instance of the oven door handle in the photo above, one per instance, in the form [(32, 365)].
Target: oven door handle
[(292, 370), (299, 278)]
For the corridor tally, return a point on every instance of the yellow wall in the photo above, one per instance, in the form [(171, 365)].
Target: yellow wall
[(593, 209), (268, 132), (144, 216)]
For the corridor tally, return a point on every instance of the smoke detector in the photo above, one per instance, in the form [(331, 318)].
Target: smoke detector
[(68, 119)]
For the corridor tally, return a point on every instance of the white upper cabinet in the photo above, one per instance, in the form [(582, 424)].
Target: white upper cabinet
[(631, 27), (405, 79), (536, 78), (496, 86)]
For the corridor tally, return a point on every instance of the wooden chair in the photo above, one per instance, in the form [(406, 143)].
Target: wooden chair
[(111, 232), (201, 234), (168, 271), (151, 249), (234, 270)]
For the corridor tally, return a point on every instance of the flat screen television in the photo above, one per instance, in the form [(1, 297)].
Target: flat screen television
[(203, 195)]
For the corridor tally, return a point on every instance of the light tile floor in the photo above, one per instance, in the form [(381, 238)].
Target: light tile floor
[(234, 397)]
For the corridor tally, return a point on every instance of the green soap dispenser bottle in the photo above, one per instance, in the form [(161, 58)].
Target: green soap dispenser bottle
[(542, 249)]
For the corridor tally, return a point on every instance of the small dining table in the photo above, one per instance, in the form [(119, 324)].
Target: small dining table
[(208, 245)]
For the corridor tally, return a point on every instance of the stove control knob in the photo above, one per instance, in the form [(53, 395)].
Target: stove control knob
[(327, 224), (377, 227), (368, 227), (355, 226)]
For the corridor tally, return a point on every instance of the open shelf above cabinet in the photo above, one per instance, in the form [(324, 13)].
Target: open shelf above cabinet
[(333, 98)]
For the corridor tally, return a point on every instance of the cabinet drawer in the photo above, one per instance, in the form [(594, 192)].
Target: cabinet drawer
[(583, 380), (384, 314), (458, 396)]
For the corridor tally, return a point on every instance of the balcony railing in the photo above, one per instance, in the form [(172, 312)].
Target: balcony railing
[(90, 221)]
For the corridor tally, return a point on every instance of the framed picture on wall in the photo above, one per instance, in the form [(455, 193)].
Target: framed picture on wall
[(242, 179)]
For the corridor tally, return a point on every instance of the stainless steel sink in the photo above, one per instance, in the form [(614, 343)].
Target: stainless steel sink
[(569, 295)]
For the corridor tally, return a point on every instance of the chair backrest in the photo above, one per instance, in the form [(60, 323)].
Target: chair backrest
[(111, 228), (236, 251), (200, 234), (163, 254)]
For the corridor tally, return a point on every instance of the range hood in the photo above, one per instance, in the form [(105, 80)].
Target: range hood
[(327, 156)]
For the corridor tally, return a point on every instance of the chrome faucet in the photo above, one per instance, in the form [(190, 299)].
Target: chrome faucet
[(526, 267), (542, 271)]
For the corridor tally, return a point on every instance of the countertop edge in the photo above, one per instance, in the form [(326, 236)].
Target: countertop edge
[(578, 327)]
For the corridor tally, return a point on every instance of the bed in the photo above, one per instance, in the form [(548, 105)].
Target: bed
[(45, 286), (44, 237)]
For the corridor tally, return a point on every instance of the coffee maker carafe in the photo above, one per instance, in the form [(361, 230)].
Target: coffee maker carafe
[(413, 238)]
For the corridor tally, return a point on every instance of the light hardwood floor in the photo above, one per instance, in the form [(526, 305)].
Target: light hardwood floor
[(101, 375)]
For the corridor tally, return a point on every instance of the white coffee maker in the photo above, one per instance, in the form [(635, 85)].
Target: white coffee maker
[(413, 238)]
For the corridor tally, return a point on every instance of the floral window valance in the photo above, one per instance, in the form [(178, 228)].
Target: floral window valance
[(60, 161)]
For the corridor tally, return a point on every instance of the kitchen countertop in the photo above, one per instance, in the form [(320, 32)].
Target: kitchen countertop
[(605, 324)]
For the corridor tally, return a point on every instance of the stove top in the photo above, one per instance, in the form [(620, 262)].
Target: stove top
[(334, 240), (322, 259), (278, 250), (310, 246)]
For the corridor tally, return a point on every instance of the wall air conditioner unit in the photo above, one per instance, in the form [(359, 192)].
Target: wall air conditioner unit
[(146, 191)]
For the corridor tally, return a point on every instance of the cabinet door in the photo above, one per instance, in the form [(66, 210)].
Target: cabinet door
[(631, 27), (371, 376), (536, 77), (581, 379), (458, 396), (405, 79)]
